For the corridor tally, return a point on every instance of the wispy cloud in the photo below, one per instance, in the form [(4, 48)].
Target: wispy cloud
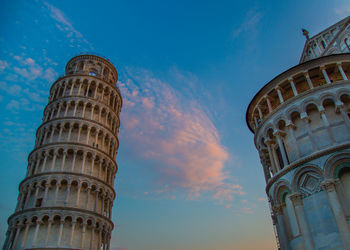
[(246, 210), (30, 70), (342, 11), (64, 25), (10, 89), (3, 65), (249, 24), (176, 137)]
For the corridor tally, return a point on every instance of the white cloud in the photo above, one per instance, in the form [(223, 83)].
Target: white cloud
[(10, 89), (64, 25), (50, 74), (342, 11), (13, 105), (35, 96), (3, 65), (249, 24), (29, 69)]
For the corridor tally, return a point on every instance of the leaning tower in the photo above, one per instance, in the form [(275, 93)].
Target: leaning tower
[(301, 125), (66, 198)]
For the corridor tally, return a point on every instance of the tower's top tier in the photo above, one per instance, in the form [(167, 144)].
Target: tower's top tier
[(333, 40), (94, 66)]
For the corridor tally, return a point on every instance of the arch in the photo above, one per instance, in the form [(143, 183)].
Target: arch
[(328, 101), (282, 188), (307, 180), (311, 106), (308, 102), (344, 98), (335, 163)]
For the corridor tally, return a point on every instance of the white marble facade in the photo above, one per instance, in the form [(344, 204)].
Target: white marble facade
[(66, 199), (301, 126)]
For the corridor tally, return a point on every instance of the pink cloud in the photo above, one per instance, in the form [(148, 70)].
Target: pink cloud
[(177, 137)]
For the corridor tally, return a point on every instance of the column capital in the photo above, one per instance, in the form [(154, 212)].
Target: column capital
[(322, 67), (328, 185), (290, 79), (306, 73), (322, 111), (279, 133), (338, 107), (289, 123), (339, 63), (297, 199), (304, 116), (277, 209)]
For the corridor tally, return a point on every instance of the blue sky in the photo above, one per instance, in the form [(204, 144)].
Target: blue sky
[(189, 176)]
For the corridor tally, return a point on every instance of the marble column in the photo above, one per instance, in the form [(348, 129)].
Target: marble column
[(278, 134), (309, 82), (340, 68), (78, 195), (330, 187), (72, 234), (63, 159), (282, 234), (340, 108), (279, 93), (60, 232), (268, 103), (325, 75), (83, 236), (292, 84), (291, 128), (25, 234), (36, 234), (326, 123), (271, 155), (18, 230), (49, 225), (297, 201), (305, 118)]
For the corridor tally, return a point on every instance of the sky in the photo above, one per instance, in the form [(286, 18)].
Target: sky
[(189, 175)]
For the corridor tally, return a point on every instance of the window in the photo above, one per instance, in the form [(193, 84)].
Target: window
[(347, 42), (38, 202), (279, 157), (92, 74), (323, 44), (81, 66)]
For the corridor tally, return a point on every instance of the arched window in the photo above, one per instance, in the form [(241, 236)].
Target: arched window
[(347, 42), (289, 217), (92, 72), (323, 44), (344, 176), (80, 66)]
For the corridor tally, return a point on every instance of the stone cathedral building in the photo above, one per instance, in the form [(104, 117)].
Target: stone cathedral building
[(66, 198), (301, 125)]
